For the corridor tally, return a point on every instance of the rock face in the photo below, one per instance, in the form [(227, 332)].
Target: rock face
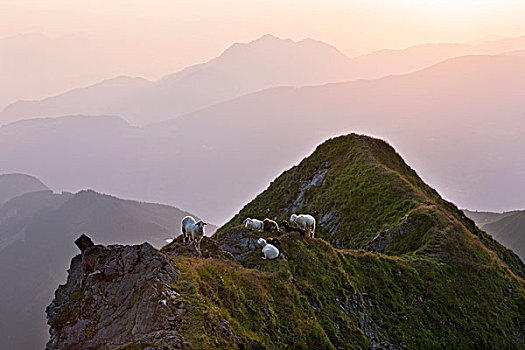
[(116, 295), (239, 244)]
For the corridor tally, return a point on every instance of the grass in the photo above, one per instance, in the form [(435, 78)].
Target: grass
[(368, 189), (321, 294), (441, 282)]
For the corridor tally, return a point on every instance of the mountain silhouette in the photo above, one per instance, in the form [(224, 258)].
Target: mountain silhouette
[(508, 228), (14, 185), (242, 68)]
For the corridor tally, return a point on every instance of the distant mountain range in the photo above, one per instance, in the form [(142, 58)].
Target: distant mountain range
[(37, 230), (459, 122), (507, 227), (242, 68)]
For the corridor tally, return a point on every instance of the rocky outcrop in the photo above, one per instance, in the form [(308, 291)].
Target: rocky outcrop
[(239, 244), (305, 185), (114, 296), (383, 239)]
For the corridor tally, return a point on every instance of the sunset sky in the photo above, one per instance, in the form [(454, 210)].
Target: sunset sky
[(154, 37)]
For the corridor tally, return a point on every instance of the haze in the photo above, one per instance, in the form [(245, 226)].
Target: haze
[(57, 45)]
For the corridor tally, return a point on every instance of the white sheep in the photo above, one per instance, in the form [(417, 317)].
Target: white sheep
[(305, 222), (269, 251), (193, 231), (253, 224)]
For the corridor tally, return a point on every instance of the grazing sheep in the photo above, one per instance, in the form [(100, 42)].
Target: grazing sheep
[(306, 222), (287, 228), (270, 225), (269, 251), (254, 224), (273, 241), (193, 231)]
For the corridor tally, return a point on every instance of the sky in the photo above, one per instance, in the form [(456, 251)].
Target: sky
[(154, 37)]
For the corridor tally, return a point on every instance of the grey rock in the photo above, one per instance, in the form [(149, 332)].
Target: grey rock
[(84, 242), (121, 302)]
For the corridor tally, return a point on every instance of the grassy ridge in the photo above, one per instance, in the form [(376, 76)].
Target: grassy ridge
[(366, 188), (324, 298)]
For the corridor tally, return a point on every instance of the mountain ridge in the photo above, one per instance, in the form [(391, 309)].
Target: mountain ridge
[(412, 295), (195, 86), (238, 68)]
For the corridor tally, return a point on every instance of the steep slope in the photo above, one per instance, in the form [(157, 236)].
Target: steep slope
[(36, 234), (510, 231), (440, 282), (14, 185), (359, 185), (454, 115)]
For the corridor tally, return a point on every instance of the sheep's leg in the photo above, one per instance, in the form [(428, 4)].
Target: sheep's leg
[(198, 246)]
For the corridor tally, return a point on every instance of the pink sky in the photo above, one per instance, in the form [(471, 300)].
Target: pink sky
[(154, 37)]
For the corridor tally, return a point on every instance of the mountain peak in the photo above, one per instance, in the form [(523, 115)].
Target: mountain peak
[(399, 293), (14, 185), (272, 42), (365, 196)]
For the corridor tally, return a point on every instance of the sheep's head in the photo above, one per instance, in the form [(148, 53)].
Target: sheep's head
[(200, 227), (293, 218), (261, 242)]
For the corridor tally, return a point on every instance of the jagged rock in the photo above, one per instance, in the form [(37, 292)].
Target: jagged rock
[(84, 242), (383, 239), (108, 309), (238, 244), (305, 185)]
